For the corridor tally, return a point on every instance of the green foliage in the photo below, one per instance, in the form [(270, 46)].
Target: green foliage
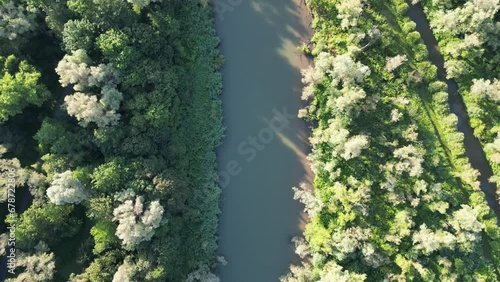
[(105, 14), (78, 34), (114, 44), (100, 207), (162, 147), (471, 47), (401, 208), (104, 267), (19, 87), (104, 236), (56, 13), (48, 223), (64, 146), (111, 177)]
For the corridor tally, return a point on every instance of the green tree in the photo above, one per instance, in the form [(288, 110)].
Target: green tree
[(19, 87), (104, 236), (105, 14), (115, 45), (104, 267), (78, 34), (56, 13), (49, 223), (112, 176)]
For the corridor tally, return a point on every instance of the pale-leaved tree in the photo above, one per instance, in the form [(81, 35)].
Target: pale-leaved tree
[(66, 190), (15, 20), (136, 223)]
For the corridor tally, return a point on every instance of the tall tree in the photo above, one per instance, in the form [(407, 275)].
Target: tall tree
[(19, 87)]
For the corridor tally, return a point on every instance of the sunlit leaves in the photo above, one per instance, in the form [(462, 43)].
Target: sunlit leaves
[(19, 87)]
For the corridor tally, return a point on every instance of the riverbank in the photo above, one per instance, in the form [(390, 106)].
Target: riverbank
[(264, 152), (394, 192), (473, 148), (470, 49), (143, 139)]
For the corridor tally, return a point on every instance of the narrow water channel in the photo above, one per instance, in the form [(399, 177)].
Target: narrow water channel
[(264, 150), (473, 149)]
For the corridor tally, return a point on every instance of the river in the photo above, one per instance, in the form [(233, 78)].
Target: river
[(265, 147), (473, 148)]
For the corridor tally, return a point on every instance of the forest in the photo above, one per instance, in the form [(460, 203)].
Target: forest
[(109, 116), (469, 35), (395, 198)]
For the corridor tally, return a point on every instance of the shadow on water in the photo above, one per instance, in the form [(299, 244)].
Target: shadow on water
[(473, 149), (261, 76)]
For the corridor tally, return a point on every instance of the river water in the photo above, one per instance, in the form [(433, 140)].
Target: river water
[(263, 155), (473, 149)]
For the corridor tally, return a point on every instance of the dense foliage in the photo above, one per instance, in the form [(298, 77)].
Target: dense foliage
[(19, 87), (468, 32), (111, 115), (395, 198)]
